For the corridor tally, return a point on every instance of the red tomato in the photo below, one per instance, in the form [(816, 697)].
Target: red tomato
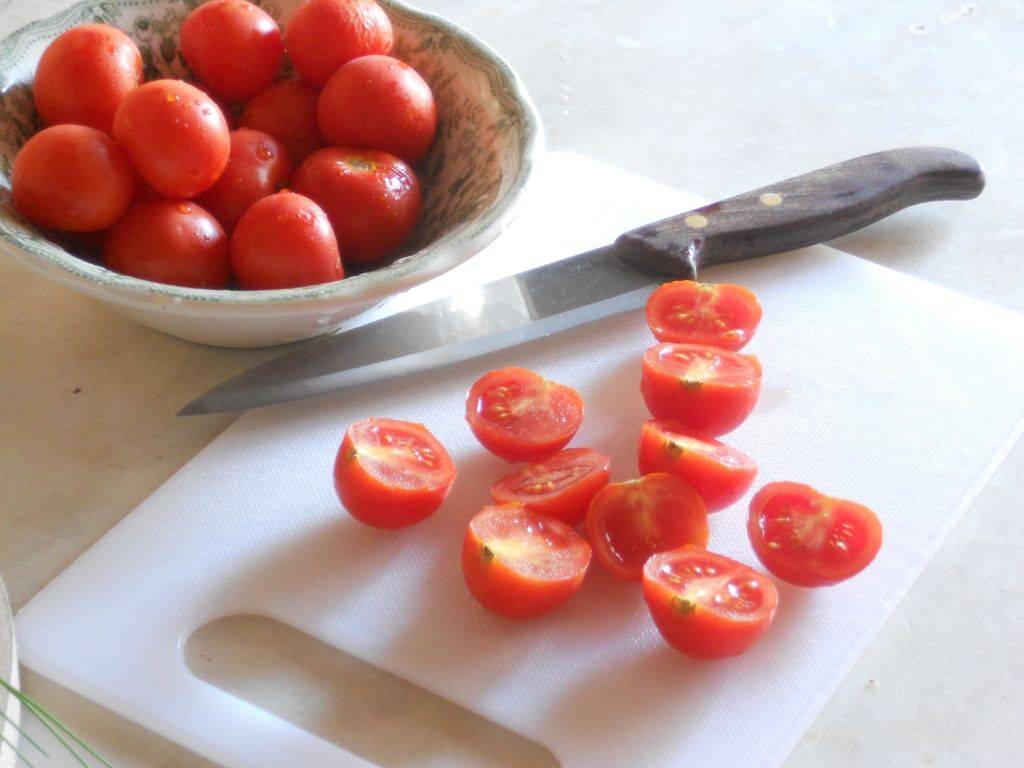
[(809, 539), (719, 315), (287, 111), (175, 135), (628, 522), (706, 390), (391, 474), (233, 47), (377, 102), (84, 75), (372, 198), (258, 166), (284, 241), (706, 605), (560, 487), (72, 177), (521, 416), (324, 34), (169, 241), (520, 564), (719, 474)]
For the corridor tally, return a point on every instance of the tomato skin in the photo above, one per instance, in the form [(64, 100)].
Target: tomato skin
[(720, 474), (284, 241), (175, 135), (233, 47), (324, 34), (701, 402), (169, 241), (628, 522), (378, 102), (720, 315), (258, 166), (84, 75), (695, 625), (561, 487), (519, 588), (286, 110), (785, 530), (370, 484), (72, 177), (372, 198)]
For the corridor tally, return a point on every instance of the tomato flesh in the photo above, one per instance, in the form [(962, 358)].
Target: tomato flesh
[(719, 473), (521, 416), (628, 522), (391, 474), (707, 605), (810, 539), (522, 565), (561, 487), (719, 315)]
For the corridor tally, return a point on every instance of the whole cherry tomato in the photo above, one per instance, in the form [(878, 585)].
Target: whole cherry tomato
[(720, 315), (324, 34), (560, 487), (287, 111)]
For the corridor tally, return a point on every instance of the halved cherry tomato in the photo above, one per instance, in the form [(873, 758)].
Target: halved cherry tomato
[(717, 314), (521, 416), (520, 564), (706, 390), (560, 487), (287, 111), (628, 522), (706, 605), (391, 474), (324, 34), (719, 474), (809, 539)]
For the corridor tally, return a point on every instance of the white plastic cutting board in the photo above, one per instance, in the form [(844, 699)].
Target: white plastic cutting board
[(877, 387)]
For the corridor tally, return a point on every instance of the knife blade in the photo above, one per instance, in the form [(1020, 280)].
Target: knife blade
[(794, 213)]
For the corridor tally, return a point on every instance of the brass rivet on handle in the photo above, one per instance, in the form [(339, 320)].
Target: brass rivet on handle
[(695, 221), (770, 198)]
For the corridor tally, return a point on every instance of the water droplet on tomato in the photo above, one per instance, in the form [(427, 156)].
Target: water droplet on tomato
[(263, 152), (185, 208)]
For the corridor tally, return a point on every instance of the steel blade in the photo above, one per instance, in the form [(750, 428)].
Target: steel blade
[(473, 322)]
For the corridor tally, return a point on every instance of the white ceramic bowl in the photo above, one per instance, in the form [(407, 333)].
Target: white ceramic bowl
[(489, 138)]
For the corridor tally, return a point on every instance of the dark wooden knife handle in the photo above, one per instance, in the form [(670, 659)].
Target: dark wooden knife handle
[(802, 211)]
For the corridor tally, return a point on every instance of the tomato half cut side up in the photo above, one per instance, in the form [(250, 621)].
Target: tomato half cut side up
[(521, 416), (391, 474), (706, 605), (719, 473), (809, 539), (720, 315), (706, 390), (522, 565), (628, 522), (560, 487)]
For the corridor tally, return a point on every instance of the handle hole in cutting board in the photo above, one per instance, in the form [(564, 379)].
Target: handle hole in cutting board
[(360, 707)]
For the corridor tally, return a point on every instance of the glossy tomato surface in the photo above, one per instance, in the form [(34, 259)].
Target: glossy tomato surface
[(284, 241), (72, 177), (84, 75), (233, 47), (720, 474), (810, 539), (378, 102), (716, 314), (522, 565), (628, 522), (175, 135), (391, 474), (560, 487), (286, 110), (707, 605), (169, 241), (324, 34), (706, 390), (521, 416), (372, 199)]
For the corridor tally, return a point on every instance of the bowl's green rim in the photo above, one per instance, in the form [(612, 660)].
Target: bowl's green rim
[(366, 286)]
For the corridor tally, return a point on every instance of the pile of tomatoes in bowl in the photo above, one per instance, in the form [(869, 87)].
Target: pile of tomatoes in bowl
[(317, 174), (529, 551)]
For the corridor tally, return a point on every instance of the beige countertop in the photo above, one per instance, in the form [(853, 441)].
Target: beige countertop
[(710, 99)]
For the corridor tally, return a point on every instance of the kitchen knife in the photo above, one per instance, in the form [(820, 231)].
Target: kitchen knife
[(801, 211)]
